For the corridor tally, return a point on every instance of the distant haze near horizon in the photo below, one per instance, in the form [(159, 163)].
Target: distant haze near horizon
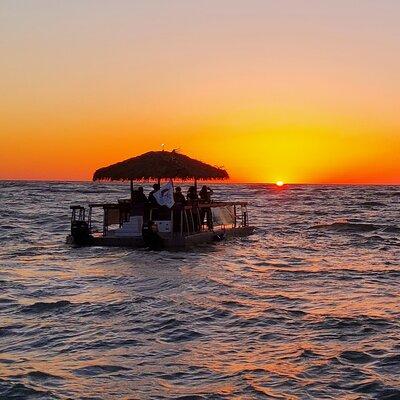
[(298, 91), (187, 183)]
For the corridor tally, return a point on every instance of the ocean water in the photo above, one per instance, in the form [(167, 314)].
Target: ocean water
[(306, 308)]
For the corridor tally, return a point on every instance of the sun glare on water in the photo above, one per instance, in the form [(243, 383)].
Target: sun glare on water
[(279, 183)]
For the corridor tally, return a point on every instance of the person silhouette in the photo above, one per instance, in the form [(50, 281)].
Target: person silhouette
[(179, 198), (205, 194), (192, 194), (152, 199)]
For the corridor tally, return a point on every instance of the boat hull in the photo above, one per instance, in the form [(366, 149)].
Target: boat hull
[(174, 242)]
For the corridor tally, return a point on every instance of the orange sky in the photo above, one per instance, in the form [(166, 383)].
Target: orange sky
[(299, 91)]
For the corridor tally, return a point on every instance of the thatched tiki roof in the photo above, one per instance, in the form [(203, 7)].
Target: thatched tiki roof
[(160, 165)]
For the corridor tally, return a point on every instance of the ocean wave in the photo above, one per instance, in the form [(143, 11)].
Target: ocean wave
[(356, 227), (391, 229), (372, 204), (9, 330), (18, 391), (41, 307), (358, 326), (366, 386), (391, 361), (180, 335), (358, 357), (347, 227), (100, 369), (389, 394), (105, 310), (38, 376)]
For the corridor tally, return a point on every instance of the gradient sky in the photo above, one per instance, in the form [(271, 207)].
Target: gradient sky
[(300, 91)]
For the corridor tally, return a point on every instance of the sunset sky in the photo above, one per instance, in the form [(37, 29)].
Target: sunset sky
[(303, 91)]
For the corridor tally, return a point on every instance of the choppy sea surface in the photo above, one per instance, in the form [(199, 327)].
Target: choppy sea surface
[(306, 308)]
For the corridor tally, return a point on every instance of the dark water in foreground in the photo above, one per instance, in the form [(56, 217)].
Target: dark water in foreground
[(307, 308)]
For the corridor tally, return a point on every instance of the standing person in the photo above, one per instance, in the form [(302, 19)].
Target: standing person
[(139, 202), (179, 206), (179, 198), (152, 200), (153, 206), (194, 215), (205, 194), (192, 194), (205, 197), (140, 196)]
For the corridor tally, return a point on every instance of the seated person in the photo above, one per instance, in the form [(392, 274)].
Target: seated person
[(205, 194)]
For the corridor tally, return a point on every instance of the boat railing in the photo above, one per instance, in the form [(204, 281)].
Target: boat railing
[(201, 217), (113, 214), (184, 220), (78, 213)]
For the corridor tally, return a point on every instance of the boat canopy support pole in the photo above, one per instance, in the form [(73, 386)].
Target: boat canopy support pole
[(132, 190), (172, 223), (182, 223)]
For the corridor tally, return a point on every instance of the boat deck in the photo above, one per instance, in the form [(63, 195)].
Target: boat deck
[(160, 227)]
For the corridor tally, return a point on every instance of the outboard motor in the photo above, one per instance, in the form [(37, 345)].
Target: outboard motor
[(151, 237), (80, 231)]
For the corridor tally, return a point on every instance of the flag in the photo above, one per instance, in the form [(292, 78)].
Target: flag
[(165, 196)]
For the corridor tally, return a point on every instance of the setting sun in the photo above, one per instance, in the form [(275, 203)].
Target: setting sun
[(279, 183)]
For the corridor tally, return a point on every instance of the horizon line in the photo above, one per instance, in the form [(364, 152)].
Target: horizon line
[(210, 181)]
